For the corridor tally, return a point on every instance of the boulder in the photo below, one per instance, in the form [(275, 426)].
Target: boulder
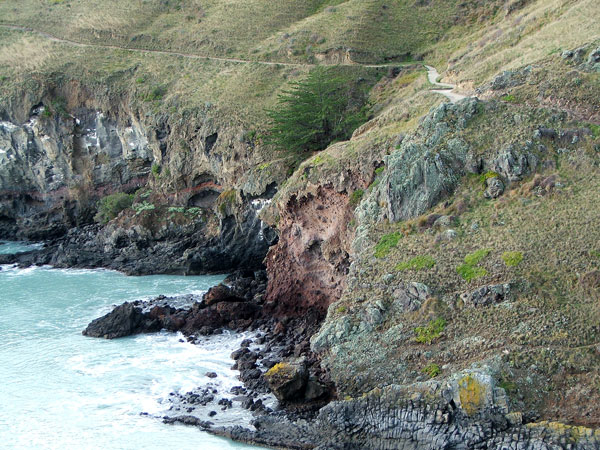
[(494, 187), (314, 390), (487, 295), (288, 380), (221, 293), (124, 320)]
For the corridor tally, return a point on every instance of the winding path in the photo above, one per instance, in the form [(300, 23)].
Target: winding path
[(432, 73), (446, 89), (54, 38)]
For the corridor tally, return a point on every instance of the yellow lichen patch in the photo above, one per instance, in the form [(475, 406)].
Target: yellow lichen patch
[(278, 369), (471, 393)]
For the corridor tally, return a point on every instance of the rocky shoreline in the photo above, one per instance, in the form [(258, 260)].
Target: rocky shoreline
[(467, 411)]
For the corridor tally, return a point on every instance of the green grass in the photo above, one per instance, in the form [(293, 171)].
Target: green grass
[(470, 273), (417, 263), (486, 176), (512, 259), (386, 243), (356, 197), (431, 370), (431, 332), (476, 257), (509, 98)]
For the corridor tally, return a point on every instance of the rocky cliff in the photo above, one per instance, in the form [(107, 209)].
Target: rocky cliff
[(443, 261), (65, 148)]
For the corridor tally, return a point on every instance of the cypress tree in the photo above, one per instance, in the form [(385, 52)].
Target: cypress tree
[(323, 108)]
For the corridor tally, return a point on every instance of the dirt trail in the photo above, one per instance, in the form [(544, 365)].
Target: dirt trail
[(432, 74), (54, 38), (447, 89)]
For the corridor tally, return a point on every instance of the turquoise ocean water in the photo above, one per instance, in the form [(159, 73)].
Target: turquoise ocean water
[(61, 390)]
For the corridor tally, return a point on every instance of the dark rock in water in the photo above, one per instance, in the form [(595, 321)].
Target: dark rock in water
[(237, 354), (188, 420), (221, 293), (211, 374), (225, 403), (124, 320), (287, 380)]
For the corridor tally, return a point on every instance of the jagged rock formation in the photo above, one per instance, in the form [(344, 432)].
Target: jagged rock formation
[(450, 248)]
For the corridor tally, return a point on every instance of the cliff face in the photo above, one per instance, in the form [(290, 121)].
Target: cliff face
[(190, 177), (448, 249), (314, 214), (54, 163)]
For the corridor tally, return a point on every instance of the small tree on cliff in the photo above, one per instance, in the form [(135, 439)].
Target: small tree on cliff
[(323, 108)]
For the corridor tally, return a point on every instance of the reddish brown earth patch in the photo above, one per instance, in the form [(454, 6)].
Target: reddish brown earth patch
[(307, 268)]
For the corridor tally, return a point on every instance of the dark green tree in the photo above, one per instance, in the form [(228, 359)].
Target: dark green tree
[(325, 107)]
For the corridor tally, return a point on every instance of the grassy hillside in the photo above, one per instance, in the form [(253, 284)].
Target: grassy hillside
[(376, 30)]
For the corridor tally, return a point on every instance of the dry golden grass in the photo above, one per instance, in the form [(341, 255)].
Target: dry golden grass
[(524, 37), (26, 54)]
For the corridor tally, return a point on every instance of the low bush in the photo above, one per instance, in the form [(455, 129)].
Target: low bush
[(431, 332), (110, 206)]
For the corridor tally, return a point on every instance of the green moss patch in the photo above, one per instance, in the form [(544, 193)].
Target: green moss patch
[(476, 257), (386, 243), (469, 273), (420, 262), (512, 259), (431, 332)]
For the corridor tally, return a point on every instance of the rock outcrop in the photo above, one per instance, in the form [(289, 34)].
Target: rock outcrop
[(122, 321)]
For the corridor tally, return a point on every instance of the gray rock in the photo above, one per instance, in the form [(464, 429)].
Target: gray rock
[(594, 57), (411, 296), (494, 187), (314, 390), (487, 295), (446, 236)]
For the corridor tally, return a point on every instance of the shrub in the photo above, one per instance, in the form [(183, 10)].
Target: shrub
[(417, 263), (157, 93), (430, 332), (356, 197), (512, 259), (432, 370), (141, 207), (386, 243), (110, 206)]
